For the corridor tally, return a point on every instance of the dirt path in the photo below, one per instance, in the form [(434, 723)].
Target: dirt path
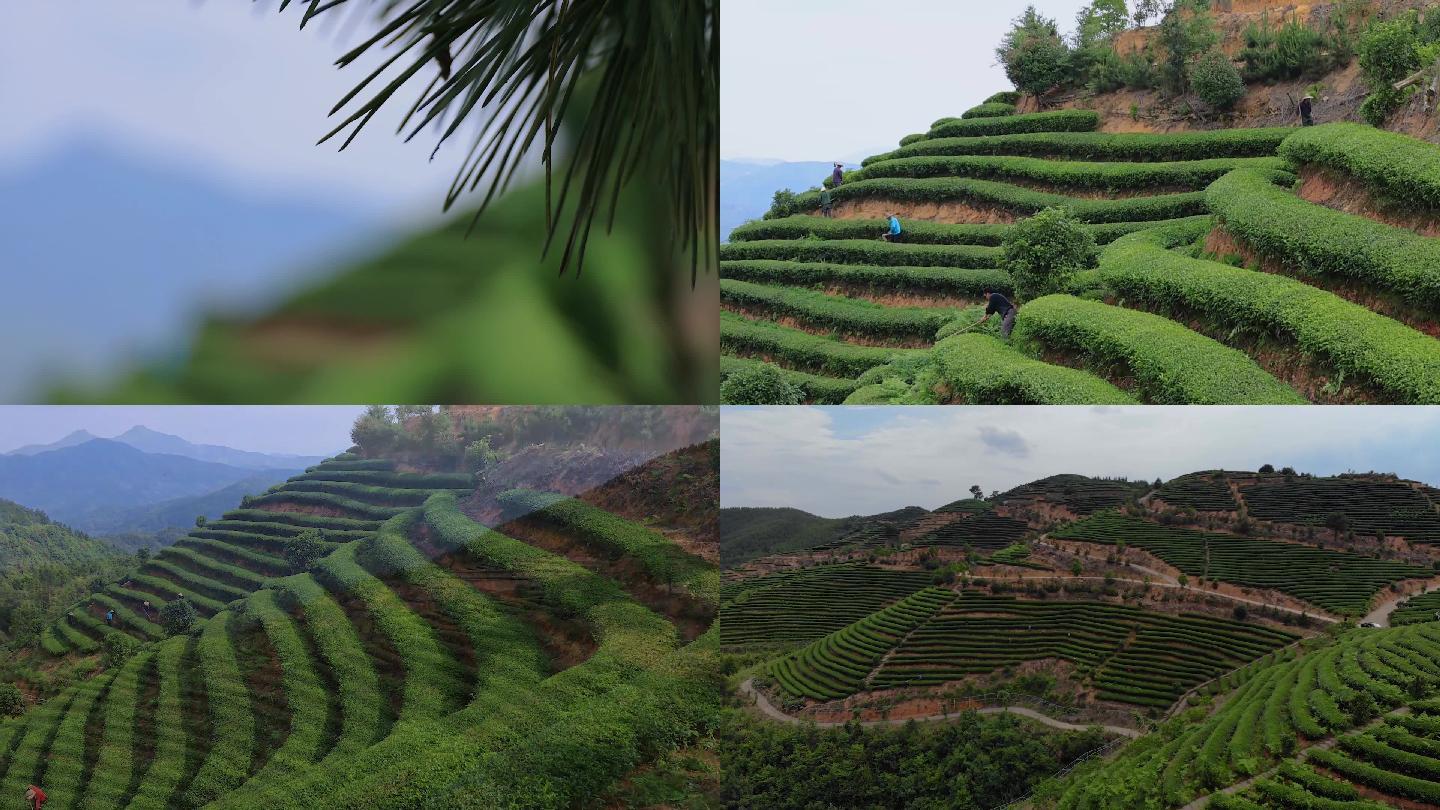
[(1316, 615), (1297, 757), (769, 710), (1380, 616)]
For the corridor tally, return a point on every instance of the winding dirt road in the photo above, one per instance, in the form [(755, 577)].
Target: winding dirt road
[(768, 709)]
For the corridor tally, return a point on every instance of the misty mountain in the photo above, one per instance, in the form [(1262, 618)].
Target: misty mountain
[(746, 187), (152, 441), (105, 251), (162, 523), (76, 484)]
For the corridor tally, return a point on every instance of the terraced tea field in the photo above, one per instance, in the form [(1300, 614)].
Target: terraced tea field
[(800, 605), (1336, 581), (1079, 494), (1201, 491), (426, 660), (1348, 724), (1389, 508), (982, 532), (1329, 306), (1126, 654)]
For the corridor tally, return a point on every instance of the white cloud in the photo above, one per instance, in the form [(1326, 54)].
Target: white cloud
[(835, 79), (839, 461), (227, 85)]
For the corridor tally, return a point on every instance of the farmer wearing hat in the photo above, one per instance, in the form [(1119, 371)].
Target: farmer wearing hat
[(827, 205), (837, 176), (35, 797), (1306, 105)]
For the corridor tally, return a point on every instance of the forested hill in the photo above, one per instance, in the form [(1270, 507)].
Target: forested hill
[(747, 532), (29, 537), (43, 564)]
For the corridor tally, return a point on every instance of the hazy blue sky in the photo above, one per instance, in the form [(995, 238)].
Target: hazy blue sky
[(842, 79), (839, 461), (229, 87), (297, 429)]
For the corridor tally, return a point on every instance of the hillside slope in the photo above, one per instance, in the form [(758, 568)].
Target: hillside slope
[(423, 659), (439, 317)]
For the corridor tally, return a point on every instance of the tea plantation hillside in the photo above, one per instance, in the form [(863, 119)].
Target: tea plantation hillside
[(362, 639), (1350, 721), (1216, 279), (1117, 598)]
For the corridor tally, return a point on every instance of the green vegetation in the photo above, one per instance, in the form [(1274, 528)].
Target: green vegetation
[(1399, 363), (839, 664), (1216, 81), (1011, 198), (1270, 714), (801, 605), (616, 537), (1099, 176), (793, 347), (1105, 146), (837, 313), (1168, 363), (980, 760), (845, 251), (1044, 252), (980, 369), (1336, 581), (813, 388), (390, 673), (1328, 242), (964, 282), (932, 637), (990, 109), (1400, 168), (1056, 121)]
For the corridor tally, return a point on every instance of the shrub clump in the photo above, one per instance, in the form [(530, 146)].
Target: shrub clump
[(759, 385), (1216, 81), (306, 548), (12, 701), (178, 617), (1389, 51), (117, 649), (1043, 253)]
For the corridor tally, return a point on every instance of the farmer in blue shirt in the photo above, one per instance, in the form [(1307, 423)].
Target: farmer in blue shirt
[(893, 235)]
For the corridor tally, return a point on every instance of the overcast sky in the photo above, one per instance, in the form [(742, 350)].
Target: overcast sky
[(307, 430), (843, 79), (837, 461), (228, 86)]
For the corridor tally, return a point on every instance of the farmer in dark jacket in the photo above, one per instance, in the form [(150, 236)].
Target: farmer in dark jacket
[(997, 304), (1307, 105), (837, 176), (827, 205)]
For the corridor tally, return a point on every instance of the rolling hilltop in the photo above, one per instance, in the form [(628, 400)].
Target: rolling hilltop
[(1189, 252), (1219, 626), (430, 619)]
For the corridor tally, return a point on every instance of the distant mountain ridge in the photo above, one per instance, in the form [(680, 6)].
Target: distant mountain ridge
[(152, 441), (747, 187), (82, 485)]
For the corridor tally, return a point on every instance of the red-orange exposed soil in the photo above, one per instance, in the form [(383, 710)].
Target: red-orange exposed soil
[(1345, 193), (1221, 243)]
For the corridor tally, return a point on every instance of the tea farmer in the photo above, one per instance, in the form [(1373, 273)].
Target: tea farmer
[(837, 175), (893, 234), (826, 204), (1307, 105), (997, 304)]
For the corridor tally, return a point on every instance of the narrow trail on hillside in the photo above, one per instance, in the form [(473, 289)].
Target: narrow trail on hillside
[(1313, 615), (769, 710), (1327, 743), (1380, 615)]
